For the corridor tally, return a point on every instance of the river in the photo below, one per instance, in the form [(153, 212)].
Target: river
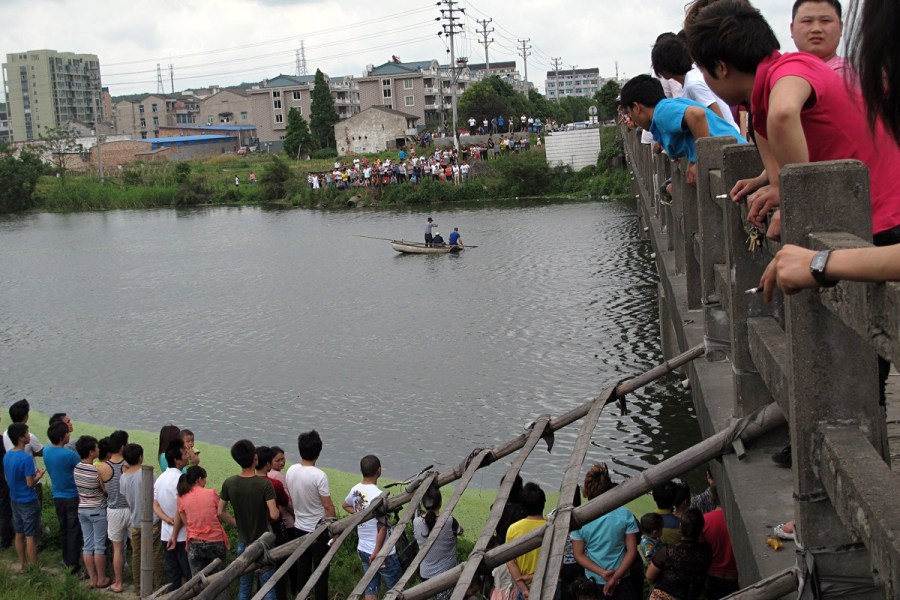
[(242, 322)]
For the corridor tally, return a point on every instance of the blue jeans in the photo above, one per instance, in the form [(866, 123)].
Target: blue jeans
[(27, 517), (390, 570), (246, 590)]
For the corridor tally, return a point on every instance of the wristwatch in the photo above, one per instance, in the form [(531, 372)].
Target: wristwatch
[(817, 268)]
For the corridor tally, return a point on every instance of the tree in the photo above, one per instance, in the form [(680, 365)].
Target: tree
[(492, 97), (59, 142), (323, 115), (275, 180), (575, 108), (607, 99), (297, 138), (18, 177)]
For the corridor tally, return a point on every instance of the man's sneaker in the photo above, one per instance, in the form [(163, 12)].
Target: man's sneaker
[(783, 458)]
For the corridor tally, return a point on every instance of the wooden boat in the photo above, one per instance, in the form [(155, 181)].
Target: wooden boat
[(420, 248)]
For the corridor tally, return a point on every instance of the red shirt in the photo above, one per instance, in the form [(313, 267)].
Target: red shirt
[(715, 533), (835, 125), (200, 507)]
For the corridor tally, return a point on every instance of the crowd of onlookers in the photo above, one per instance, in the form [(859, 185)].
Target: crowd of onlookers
[(97, 491), (442, 165)]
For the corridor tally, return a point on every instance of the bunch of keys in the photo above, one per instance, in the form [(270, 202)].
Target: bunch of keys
[(754, 240)]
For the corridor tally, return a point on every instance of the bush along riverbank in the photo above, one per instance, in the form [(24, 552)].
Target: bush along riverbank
[(283, 182)]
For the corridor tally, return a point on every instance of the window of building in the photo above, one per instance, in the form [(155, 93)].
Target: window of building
[(279, 118), (407, 84), (156, 121), (385, 82), (210, 119), (386, 92), (277, 104), (243, 115), (143, 135), (141, 109), (276, 94), (296, 95), (143, 122), (409, 100), (153, 108)]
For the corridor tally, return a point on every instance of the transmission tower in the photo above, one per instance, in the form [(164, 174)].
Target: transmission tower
[(303, 70), (159, 81), (485, 41), (172, 77)]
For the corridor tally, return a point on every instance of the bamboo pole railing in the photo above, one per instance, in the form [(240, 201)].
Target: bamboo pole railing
[(751, 427), (221, 579), (219, 582)]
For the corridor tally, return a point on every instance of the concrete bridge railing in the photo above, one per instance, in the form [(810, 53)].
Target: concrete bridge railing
[(813, 353)]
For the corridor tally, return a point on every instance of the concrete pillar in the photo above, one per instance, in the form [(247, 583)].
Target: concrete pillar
[(710, 218), (685, 204), (745, 268), (829, 381)]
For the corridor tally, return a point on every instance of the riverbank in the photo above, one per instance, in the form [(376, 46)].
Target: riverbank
[(283, 182), (50, 582)]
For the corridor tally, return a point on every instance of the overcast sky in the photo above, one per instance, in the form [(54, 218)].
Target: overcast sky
[(229, 41)]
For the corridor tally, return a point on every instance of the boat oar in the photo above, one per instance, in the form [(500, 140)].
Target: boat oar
[(374, 238)]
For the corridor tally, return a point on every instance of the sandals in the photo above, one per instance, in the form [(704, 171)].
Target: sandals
[(781, 534)]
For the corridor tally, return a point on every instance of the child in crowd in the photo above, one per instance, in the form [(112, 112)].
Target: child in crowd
[(522, 569), (131, 486), (167, 433), (187, 436), (372, 533), (22, 477), (664, 496), (675, 122), (651, 531), (198, 511), (91, 511)]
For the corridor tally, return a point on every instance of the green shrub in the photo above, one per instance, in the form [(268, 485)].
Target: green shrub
[(275, 180), (324, 153)]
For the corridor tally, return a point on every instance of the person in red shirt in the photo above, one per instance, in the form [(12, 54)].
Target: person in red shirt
[(802, 111), (722, 577), (198, 512)]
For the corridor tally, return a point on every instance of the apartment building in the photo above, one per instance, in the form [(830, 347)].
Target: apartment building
[(422, 89), (45, 89), (142, 118), (5, 134), (271, 102), (573, 82), (226, 107), (505, 70)]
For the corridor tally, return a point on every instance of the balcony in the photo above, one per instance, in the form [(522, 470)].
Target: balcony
[(430, 91)]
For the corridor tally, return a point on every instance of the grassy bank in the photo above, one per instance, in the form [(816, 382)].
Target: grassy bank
[(283, 182), (472, 512)]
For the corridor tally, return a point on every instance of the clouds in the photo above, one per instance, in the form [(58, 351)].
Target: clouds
[(229, 41)]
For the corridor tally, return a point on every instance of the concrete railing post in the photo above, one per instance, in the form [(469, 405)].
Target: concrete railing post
[(685, 203), (833, 372), (744, 269), (710, 218)]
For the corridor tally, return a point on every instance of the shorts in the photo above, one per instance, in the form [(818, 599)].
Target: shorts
[(26, 517), (118, 524)]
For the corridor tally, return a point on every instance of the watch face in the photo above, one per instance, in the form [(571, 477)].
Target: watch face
[(818, 262)]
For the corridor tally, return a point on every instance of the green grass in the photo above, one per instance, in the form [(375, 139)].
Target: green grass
[(471, 512), (43, 584)]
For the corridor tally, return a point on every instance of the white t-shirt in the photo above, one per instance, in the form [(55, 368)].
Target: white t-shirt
[(359, 497), (166, 493), (32, 447), (306, 486), (695, 88)]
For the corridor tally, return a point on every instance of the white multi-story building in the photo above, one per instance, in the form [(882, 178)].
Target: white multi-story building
[(573, 82)]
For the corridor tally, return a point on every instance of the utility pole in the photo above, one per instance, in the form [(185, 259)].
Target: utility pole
[(573, 78), (485, 41), (525, 54), (556, 63), (172, 77), (451, 15)]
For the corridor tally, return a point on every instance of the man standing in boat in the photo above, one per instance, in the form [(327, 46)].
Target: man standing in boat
[(455, 239), (430, 226)]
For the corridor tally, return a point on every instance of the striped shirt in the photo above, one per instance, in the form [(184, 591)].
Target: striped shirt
[(114, 497), (87, 481)]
